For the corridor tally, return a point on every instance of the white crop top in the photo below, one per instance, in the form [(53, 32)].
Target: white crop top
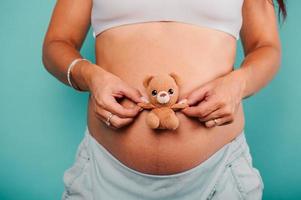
[(222, 15)]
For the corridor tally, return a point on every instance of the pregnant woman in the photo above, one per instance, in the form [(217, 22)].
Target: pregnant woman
[(207, 156)]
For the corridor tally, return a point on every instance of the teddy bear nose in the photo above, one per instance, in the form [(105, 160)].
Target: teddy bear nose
[(162, 94)]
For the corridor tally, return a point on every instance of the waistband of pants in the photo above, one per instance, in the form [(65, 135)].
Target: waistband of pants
[(223, 156)]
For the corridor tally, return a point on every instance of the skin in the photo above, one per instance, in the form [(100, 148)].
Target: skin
[(125, 55)]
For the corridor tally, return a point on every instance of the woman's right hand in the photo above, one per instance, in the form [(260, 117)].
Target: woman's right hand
[(106, 89)]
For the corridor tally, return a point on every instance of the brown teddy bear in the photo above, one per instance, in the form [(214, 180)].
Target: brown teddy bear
[(163, 93)]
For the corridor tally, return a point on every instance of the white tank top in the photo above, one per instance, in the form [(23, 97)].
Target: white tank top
[(222, 15)]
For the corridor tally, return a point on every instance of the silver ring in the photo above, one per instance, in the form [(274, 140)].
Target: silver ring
[(215, 121), (108, 123)]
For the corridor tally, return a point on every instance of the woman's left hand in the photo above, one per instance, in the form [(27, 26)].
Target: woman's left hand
[(216, 102)]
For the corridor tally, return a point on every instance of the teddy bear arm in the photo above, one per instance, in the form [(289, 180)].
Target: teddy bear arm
[(146, 105), (179, 106)]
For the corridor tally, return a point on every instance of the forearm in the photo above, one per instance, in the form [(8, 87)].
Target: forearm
[(258, 68), (57, 56)]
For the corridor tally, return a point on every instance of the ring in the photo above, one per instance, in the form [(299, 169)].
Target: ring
[(108, 123), (215, 121)]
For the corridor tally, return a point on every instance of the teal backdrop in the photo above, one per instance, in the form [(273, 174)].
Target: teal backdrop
[(42, 121)]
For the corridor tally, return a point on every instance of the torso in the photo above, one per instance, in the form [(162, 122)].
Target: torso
[(198, 55)]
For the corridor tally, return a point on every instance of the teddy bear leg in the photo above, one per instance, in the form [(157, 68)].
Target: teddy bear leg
[(171, 123), (152, 120)]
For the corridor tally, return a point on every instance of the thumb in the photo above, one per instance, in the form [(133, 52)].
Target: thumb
[(132, 93), (197, 95)]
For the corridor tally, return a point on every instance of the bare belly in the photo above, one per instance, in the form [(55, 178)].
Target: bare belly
[(197, 55)]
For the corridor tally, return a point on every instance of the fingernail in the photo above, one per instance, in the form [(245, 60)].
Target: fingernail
[(183, 101), (209, 124), (144, 99), (140, 109)]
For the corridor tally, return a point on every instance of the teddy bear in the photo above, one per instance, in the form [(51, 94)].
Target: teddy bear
[(162, 92)]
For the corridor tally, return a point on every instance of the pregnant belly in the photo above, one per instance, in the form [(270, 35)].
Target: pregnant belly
[(132, 56), (163, 152)]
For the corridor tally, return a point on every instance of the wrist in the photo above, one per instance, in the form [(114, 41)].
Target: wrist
[(88, 73), (241, 77), (79, 74)]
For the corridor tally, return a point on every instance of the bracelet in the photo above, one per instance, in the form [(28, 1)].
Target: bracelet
[(69, 76)]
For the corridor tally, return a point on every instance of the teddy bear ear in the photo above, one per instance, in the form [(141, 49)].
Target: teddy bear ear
[(147, 80), (176, 78)]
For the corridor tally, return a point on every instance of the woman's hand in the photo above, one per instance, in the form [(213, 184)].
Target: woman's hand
[(216, 102), (106, 90)]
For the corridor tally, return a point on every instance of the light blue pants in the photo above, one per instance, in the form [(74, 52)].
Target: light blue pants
[(98, 175)]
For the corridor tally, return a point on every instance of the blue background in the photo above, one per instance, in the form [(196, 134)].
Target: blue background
[(42, 121)]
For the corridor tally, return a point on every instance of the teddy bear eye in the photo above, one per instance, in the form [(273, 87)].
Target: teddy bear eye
[(154, 92), (170, 91)]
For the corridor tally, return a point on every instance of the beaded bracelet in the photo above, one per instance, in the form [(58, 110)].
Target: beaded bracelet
[(72, 64)]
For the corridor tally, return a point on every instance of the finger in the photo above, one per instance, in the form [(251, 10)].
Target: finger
[(213, 115), (118, 122), (110, 104), (115, 120), (202, 109), (132, 93), (197, 95), (219, 121)]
